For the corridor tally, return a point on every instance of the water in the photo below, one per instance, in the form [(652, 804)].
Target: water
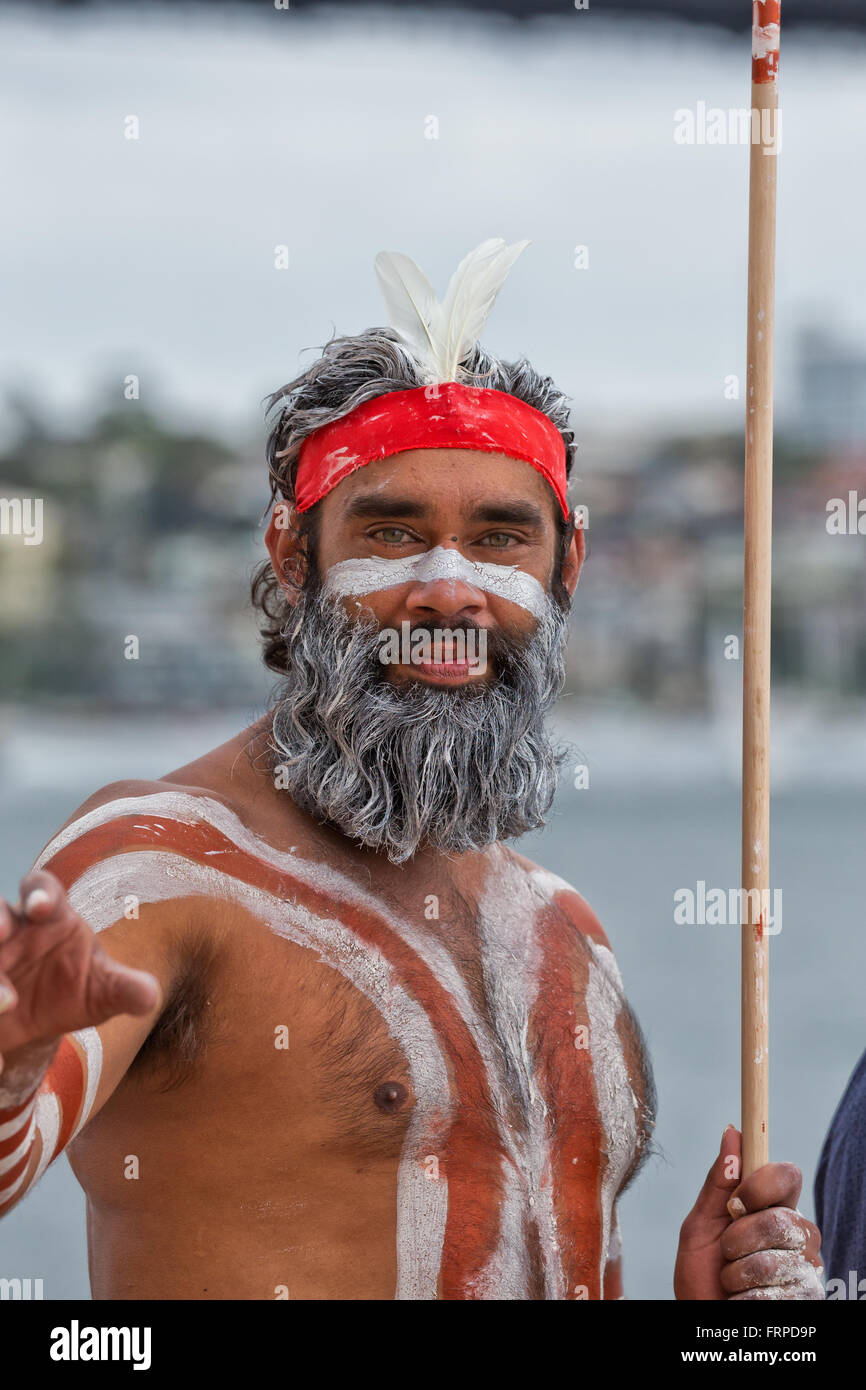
[(627, 844)]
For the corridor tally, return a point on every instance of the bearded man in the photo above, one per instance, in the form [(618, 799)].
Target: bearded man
[(335, 1040)]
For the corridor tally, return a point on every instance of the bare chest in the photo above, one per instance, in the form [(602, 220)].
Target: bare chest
[(478, 1051)]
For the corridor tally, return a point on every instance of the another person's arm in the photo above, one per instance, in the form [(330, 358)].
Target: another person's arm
[(840, 1193)]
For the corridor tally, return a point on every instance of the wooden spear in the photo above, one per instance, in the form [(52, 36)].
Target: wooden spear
[(766, 18)]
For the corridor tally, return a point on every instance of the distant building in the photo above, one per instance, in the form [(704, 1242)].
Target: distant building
[(831, 391)]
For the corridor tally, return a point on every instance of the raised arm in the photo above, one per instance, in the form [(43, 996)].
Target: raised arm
[(74, 1012)]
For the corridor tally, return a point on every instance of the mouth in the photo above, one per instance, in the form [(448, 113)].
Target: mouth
[(435, 657), (448, 672), (443, 671)]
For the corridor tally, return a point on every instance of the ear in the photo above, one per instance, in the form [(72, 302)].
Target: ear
[(286, 550), (575, 556)]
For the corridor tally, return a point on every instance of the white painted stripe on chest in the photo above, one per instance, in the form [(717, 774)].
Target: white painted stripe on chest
[(510, 958), (617, 1103), (422, 1203), (373, 573)]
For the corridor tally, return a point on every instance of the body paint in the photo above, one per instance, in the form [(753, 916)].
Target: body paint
[(617, 1103), (15, 1148), (58, 1105), (577, 1139), (464, 1236), (372, 574), (510, 959)]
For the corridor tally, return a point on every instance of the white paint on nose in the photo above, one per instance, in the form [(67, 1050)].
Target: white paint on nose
[(367, 576)]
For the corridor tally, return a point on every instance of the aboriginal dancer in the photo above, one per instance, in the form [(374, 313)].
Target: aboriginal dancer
[(305, 1024)]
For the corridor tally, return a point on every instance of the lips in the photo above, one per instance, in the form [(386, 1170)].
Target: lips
[(448, 670)]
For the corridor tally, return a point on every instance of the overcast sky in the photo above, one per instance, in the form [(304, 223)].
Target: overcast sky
[(156, 256)]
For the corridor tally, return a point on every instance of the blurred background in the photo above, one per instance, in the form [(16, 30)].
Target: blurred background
[(194, 198)]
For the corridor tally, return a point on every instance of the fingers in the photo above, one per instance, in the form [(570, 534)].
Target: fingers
[(114, 988), (8, 995), (8, 920), (42, 896), (720, 1182), (8, 1000), (774, 1185), (776, 1229), (80, 980), (770, 1249), (772, 1274)]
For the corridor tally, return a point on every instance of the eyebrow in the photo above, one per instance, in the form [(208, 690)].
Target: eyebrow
[(509, 513), (375, 506)]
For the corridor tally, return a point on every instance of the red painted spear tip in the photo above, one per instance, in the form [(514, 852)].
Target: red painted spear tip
[(766, 22)]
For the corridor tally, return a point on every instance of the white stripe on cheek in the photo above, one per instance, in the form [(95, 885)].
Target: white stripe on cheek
[(369, 575)]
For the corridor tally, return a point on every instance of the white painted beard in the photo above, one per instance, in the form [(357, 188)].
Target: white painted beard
[(396, 767)]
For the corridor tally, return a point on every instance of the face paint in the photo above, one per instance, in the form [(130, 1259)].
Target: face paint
[(506, 1103), (373, 574)]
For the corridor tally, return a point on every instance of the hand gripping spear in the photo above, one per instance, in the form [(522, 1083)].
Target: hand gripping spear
[(766, 19)]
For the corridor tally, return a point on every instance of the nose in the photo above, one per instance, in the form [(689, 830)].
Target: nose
[(445, 598)]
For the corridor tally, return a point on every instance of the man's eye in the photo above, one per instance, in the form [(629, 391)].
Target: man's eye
[(498, 540), (392, 535)]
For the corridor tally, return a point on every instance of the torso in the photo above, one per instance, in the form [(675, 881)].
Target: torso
[(371, 1082)]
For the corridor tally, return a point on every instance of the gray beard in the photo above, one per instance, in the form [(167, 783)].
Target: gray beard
[(395, 767)]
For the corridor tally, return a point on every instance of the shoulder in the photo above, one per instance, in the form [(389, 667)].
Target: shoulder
[(162, 842), (116, 816), (135, 835), (149, 862), (549, 887)]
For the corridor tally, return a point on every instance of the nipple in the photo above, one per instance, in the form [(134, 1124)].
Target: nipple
[(390, 1096)]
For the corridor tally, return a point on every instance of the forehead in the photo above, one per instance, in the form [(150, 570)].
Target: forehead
[(446, 482)]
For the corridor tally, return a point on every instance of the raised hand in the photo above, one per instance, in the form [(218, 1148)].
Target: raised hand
[(54, 976)]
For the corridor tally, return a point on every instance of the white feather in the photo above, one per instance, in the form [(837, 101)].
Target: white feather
[(440, 334)]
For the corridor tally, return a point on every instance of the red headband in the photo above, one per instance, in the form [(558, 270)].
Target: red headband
[(447, 416)]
